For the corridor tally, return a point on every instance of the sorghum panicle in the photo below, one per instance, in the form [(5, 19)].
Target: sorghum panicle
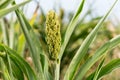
[(53, 36)]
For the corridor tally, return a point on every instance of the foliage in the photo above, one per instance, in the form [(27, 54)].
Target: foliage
[(25, 49)]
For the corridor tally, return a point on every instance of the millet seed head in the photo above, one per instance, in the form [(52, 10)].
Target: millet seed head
[(53, 36)]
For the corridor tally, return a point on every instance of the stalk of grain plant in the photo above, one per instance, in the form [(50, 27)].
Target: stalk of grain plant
[(53, 39)]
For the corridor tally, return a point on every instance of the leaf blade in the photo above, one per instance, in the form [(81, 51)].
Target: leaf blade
[(83, 48), (97, 55), (71, 28), (5, 3), (36, 51), (24, 66), (3, 12), (107, 68)]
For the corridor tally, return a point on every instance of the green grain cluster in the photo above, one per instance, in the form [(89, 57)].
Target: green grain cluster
[(53, 36)]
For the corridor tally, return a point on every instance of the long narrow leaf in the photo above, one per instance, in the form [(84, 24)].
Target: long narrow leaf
[(112, 65), (34, 54), (17, 72), (98, 69), (83, 48), (14, 70), (71, 28), (3, 12), (24, 66), (97, 55), (6, 41), (37, 46), (21, 44), (5, 32), (31, 39), (4, 70), (11, 34), (5, 3), (9, 66)]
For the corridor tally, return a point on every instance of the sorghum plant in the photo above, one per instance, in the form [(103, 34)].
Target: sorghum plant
[(13, 66)]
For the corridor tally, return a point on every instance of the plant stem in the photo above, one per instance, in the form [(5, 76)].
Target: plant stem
[(57, 69), (5, 34), (11, 33)]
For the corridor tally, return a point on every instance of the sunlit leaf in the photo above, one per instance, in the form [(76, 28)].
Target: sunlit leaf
[(83, 49), (23, 65), (112, 65), (5, 11), (97, 55), (5, 3)]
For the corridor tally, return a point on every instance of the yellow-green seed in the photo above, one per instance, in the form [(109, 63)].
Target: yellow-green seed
[(53, 36)]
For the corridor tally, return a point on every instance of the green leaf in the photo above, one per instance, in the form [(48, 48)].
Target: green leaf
[(98, 69), (83, 49), (3, 12), (34, 44), (97, 55), (19, 61), (6, 41), (4, 70), (112, 65), (11, 34), (9, 66), (21, 44), (17, 72), (5, 3), (5, 32), (71, 28)]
